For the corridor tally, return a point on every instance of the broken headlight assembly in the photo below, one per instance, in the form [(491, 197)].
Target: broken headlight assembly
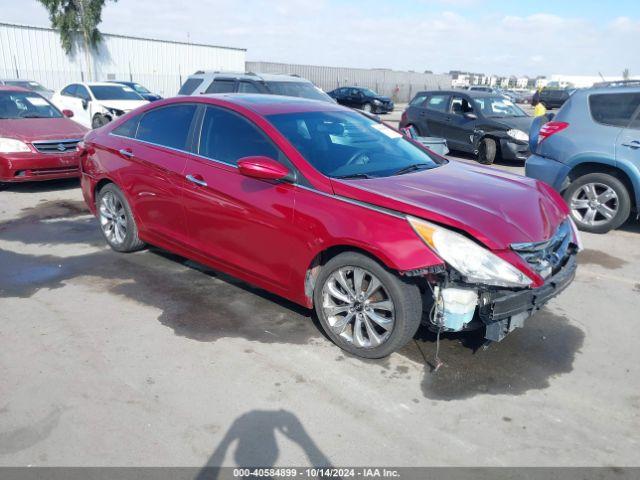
[(476, 264)]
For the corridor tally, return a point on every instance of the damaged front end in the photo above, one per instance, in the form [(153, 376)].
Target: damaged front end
[(456, 299)]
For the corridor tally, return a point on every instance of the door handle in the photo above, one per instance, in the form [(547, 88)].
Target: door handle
[(125, 152), (196, 180), (634, 144)]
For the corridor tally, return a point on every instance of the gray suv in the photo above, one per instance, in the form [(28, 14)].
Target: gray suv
[(590, 152), (203, 82)]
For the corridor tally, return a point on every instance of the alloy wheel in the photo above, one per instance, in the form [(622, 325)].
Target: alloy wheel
[(358, 307), (113, 218), (594, 204)]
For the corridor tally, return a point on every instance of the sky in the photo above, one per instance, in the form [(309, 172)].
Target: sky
[(517, 37)]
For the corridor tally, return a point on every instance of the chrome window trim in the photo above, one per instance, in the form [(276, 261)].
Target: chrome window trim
[(67, 140)]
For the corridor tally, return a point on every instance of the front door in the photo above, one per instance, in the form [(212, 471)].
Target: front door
[(458, 130), (241, 222)]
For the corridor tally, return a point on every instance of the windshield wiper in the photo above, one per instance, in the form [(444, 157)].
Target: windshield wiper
[(411, 168), (355, 175)]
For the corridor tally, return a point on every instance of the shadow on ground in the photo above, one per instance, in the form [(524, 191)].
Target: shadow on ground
[(203, 305)]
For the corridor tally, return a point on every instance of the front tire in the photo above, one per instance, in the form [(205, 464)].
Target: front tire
[(487, 151), (599, 202), (117, 223), (99, 121), (364, 308), (367, 107)]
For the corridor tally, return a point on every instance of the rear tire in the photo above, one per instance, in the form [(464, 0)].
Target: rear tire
[(599, 202), (362, 318), (117, 223), (487, 151)]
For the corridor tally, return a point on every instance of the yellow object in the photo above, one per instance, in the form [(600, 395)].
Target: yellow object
[(539, 110)]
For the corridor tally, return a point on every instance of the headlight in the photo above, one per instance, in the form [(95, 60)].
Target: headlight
[(475, 263), (518, 135), (11, 145), (115, 111), (376, 101)]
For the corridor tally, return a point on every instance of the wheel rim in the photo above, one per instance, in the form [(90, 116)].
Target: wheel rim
[(367, 108), (113, 219), (594, 204), (358, 307)]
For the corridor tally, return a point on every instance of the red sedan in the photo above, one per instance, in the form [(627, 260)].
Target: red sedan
[(333, 210), (37, 142)]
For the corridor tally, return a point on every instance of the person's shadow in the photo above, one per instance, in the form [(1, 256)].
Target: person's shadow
[(256, 442)]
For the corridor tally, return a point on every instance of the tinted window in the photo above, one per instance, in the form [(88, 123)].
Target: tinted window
[(167, 126), (82, 92), (247, 87), (439, 103), (419, 99), (614, 109), (16, 105), (189, 86), (460, 106), (128, 128), (69, 91), (114, 92), (222, 86), (346, 144), (227, 137), (298, 89)]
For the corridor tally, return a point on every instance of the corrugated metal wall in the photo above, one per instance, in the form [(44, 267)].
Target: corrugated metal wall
[(401, 86), (34, 53)]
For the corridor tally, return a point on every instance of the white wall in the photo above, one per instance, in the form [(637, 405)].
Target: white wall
[(34, 53)]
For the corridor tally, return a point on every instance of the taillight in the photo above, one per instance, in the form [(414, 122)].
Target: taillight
[(550, 128)]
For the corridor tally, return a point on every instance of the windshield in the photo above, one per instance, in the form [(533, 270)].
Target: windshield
[(298, 89), (495, 107), (348, 144), (369, 92), (114, 92), (15, 105), (139, 88)]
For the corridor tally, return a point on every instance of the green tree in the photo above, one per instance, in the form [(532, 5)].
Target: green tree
[(77, 17)]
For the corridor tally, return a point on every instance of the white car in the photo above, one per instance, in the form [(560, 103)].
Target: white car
[(97, 103)]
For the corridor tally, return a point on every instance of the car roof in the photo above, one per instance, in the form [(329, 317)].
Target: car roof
[(470, 93), (265, 77), (13, 88), (605, 89), (274, 104)]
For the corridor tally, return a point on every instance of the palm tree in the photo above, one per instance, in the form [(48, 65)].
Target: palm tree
[(73, 17)]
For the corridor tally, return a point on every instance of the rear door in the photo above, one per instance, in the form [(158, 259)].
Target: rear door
[(627, 112), (244, 223), (154, 176), (434, 115)]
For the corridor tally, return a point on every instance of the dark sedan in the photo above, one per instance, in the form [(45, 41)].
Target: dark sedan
[(485, 124), (140, 90), (363, 99)]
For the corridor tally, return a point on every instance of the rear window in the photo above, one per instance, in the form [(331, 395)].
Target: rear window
[(418, 99), (189, 86), (615, 109), (167, 126), (439, 103)]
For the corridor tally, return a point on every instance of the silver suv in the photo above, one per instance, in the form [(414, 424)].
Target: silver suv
[(203, 82)]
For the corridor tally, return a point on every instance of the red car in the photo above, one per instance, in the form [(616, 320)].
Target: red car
[(332, 210), (37, 142)]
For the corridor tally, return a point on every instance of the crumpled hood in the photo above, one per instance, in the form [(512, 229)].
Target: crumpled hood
[(493, 206), (521, 123), (32, 129), (125, 105)]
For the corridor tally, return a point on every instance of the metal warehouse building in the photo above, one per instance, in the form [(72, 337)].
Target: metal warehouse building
[(35, 53)]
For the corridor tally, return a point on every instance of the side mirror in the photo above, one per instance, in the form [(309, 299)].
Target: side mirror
[(264, 168), (67, 113), (85, 103), (470, 116)]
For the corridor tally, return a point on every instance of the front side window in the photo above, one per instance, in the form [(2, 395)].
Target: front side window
[(460, 106), (438, 103), (227, 137), (140, 89), (347, 144), (189, 86), (167, 126), (615, 109), (222, 86), (16, 105), (418, 99), (114, 92)]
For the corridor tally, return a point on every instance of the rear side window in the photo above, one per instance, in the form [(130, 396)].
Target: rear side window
[(189, 86), (128, 128), (167, 126), (227, 137), (222, 86), (418, 99), (439, 103), (247, 87), (615, 109)]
